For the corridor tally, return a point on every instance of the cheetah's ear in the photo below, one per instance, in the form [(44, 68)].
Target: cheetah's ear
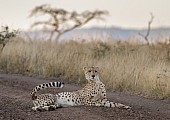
[(84, 68), (97, 68)]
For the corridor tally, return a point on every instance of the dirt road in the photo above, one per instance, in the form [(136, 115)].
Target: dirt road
[(15, 103)]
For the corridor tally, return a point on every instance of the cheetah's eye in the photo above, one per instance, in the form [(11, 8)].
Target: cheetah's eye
[(89, 70), (96, 71)]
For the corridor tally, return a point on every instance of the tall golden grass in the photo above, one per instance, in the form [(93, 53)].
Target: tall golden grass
[(139, 69)]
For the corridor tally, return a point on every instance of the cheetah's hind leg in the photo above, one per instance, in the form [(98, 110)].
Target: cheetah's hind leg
[(48, 108), (38, 108), (44, 108)]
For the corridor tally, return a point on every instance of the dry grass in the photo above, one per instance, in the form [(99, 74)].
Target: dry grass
[(139, 69)]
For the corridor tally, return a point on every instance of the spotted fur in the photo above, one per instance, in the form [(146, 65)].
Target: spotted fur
[(45, 101)]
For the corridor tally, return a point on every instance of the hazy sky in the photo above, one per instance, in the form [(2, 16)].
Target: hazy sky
[(123, 13)]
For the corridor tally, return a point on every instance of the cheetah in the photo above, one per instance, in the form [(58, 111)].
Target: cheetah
[(92, 94)]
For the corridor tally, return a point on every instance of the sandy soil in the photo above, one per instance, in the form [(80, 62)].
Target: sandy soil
[(15, 103)]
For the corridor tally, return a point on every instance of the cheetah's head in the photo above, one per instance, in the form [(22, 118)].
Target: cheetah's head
[(91, 73)]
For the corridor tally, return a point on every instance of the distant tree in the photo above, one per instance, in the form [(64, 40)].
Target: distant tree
[(6, 35), (148, 30), (62, 21)]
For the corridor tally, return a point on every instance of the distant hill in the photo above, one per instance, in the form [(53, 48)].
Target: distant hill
[(112, 33)]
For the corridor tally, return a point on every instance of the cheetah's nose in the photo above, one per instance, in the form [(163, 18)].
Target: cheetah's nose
[(93, 76)]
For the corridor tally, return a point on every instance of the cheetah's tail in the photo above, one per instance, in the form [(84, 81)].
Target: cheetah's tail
[(46, 85)]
